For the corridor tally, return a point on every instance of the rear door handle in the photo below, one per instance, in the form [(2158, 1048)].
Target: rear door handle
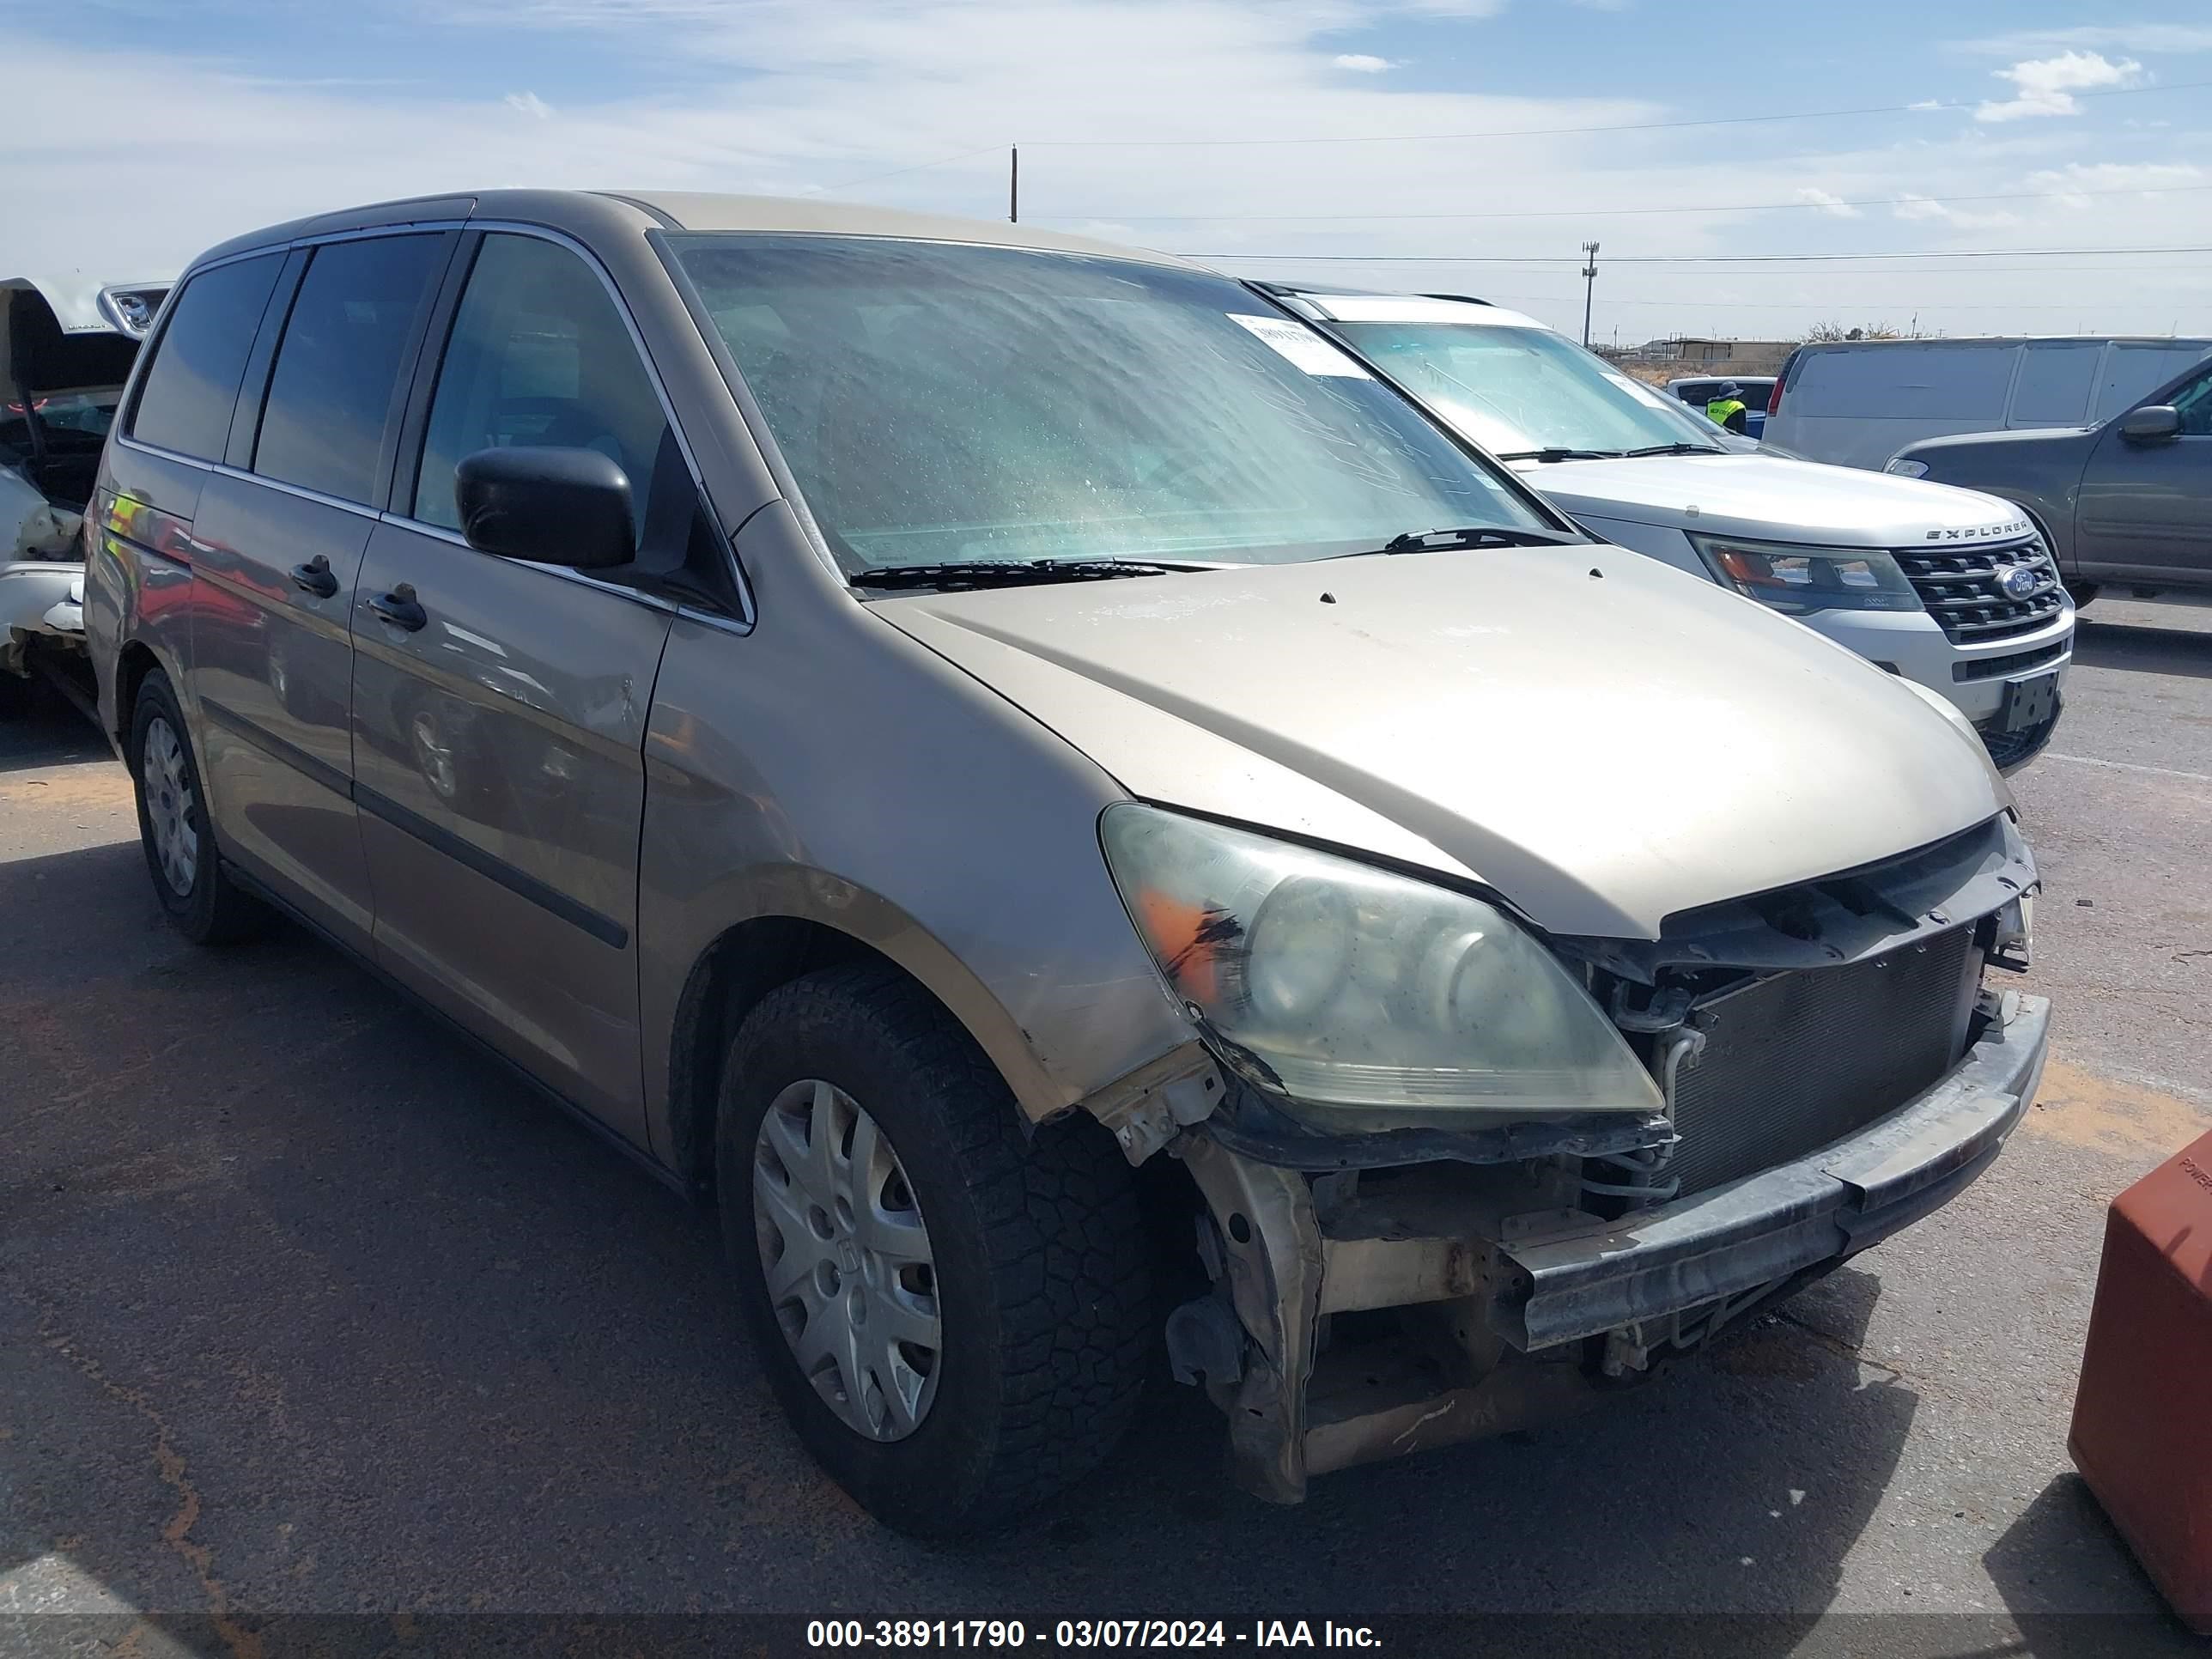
[(314, 577), (400, 608)]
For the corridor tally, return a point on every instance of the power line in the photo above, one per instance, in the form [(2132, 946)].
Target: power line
[(1612, 213), (1692, 259), (1927, 106)]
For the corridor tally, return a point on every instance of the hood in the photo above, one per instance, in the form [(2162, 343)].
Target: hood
[(2029, 438), (1603, 740), (1771, 499)]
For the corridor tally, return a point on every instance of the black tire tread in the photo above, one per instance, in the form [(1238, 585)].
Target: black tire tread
[(1064, 1233)]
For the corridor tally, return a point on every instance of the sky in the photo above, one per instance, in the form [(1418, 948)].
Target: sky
[(1468, 146)]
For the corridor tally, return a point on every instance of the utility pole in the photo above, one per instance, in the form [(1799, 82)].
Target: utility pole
[(1014, 186), (1589, 285)]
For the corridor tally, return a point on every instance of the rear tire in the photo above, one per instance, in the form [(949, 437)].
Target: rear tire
[(202, 901), (1037, 1286), (2082, 592)]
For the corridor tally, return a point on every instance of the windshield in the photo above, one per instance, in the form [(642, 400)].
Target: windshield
[(1519, 391), (947, 402), (84, 415)]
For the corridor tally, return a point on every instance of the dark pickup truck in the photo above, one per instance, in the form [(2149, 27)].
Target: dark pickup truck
[(2126, 503)]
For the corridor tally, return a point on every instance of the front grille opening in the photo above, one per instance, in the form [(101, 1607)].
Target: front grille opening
[(1965, 592), (1794, 1061), (2016, 662)]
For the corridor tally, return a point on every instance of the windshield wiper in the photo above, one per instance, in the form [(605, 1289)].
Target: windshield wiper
[(1444, 541), (959, 574), (1556, 453), (1673, 449)]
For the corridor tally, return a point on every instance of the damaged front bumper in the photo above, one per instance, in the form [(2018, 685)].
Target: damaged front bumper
[(1506, 1314), (39, 598)]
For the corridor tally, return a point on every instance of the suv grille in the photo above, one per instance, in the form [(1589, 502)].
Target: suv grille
[(1798, 1060), (1965, 592)]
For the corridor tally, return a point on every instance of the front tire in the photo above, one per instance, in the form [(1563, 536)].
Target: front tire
[(955, 1320), (202, 902), (2082, 592)]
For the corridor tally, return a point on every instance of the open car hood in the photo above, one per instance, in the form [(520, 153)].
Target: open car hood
[(1603, 740)]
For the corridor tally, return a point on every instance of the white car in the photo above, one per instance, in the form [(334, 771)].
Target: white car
[(66, 347), (1949, 588)]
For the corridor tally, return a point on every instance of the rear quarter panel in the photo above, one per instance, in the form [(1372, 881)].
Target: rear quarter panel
[(138, 571)]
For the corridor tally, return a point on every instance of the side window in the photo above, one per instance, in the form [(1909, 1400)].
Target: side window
[(2055, 378), (2194, 403), (190, 387), (539, 356), (2135, 370), (330, 392)]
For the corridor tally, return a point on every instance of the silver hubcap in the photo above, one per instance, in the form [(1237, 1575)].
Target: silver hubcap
[(846, 1259), (169, 807)]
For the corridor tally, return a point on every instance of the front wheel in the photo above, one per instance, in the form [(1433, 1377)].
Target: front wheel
[(954, 1319), (2082, 592), (207, 907)]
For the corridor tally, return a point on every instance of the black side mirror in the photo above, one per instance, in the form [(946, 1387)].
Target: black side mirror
[(2152, 423), (565, 506)]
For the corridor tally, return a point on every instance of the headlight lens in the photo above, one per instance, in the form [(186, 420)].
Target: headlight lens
[(1366, 998), (1904, 468), (1801, 579)]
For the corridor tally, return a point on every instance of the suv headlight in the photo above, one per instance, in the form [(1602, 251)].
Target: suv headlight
[(1802, 580), (1903, 467), (1367, 999)]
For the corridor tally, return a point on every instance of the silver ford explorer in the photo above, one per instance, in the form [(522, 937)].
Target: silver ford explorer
[(1080, 818)]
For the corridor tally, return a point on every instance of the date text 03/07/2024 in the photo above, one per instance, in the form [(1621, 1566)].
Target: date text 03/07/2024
[(1007, 1634)]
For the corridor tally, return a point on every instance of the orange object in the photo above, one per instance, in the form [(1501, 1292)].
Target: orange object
[(2143, 1418)]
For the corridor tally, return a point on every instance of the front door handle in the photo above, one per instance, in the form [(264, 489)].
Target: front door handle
[(314, 577), (400, 608)]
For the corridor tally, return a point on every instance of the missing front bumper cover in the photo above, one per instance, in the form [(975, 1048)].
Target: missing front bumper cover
[(1503, 1313)]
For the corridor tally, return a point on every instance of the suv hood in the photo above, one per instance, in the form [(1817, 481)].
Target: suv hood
[(2028, 438), (1767, 497), (1603, 740)]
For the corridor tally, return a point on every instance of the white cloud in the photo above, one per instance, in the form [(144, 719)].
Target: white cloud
[(529, 103), (2046, 85), (1912, 206), (2119, 37), (1361, 62), (2075, 183), (1828, 202)]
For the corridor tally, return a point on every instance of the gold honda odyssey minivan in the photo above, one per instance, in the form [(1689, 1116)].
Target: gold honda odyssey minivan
[(1096, 834)]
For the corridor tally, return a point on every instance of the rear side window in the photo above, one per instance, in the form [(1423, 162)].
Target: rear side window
[(539, 356), (332, 392), (190, 389), (2055, 378), (1905, 382)]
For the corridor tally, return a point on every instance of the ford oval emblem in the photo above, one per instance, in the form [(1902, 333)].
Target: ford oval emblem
[(2018, 583)]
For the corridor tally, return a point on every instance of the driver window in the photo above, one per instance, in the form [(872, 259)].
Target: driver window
[(2194, 403), (539, 356)]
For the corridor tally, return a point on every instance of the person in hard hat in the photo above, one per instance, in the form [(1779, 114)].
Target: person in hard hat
[(1725, 408)]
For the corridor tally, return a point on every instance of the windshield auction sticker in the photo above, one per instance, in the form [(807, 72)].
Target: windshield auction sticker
[(1303, 346)]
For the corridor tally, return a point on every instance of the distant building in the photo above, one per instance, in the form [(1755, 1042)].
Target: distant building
[(1688, 354)]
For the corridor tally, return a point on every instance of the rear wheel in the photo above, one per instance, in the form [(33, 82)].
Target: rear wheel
[(956, 1320), (207, 907), (2082, 592)]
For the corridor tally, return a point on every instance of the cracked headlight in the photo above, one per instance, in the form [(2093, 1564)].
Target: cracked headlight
[(1367, 999), (1798, 580)]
